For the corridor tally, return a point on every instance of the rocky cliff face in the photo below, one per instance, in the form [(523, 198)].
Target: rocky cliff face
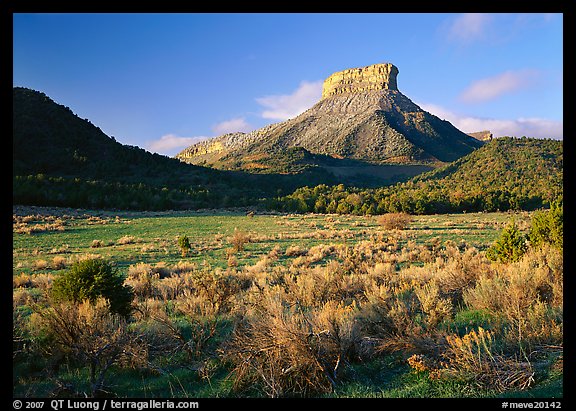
[(362, 116), (359, 80), (484, 135)]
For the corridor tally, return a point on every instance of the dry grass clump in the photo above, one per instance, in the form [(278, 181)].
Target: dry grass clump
[(525, 296), (42, 281), (30, 224), (394, 221), (97, 244), (295, 251), (127, 239), (288, 349), (238, 240), (473, 357), (91, 334), (40, 265), (59, 262)]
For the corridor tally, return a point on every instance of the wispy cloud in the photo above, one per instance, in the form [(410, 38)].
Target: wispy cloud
[(469, 27), (493, 87), (170, 144), (493, 28), (238, 124), (530, 127), (286, 106)]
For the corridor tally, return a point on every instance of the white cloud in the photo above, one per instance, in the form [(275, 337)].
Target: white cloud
[(492, 87), (286, 106), (469, 27), (170, 144), (492, 28), (529, 127), (233, 125)]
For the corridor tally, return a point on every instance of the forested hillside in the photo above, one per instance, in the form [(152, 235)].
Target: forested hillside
[(60, 159), (507, 173)]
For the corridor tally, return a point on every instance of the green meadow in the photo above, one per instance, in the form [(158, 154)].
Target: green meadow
[(282, 305), (131, 237)]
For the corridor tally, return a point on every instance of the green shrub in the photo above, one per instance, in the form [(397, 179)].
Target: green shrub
[(184, 244), (90, 279), (510, 247), (548, 227)]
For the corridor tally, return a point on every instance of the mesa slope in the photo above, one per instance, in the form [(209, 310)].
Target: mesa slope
[(362, 116)]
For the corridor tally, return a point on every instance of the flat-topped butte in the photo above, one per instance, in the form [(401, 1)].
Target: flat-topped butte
[(359, 80)]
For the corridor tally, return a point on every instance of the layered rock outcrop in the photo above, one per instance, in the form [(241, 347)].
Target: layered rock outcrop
[(484, 135), (359, 80)]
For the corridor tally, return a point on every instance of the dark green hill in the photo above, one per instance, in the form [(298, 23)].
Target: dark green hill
[(506, 163), (60, 159), (49, 138), (506, 173)]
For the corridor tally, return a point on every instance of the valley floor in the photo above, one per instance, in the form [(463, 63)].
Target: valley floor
[(279, 305)]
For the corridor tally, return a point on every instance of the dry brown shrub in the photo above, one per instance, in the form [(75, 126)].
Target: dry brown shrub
[(388, 313), (147, 309), (382, 271), (460, 271), (274, 253), (452, 270), (148, 248), (473, 357), (202, 317), (91, 334), (23, 296), (394, 221), (142, 280), (58, 262), (239, 239), (97, 244), (295, 251), (183, 267), (169, 288), (232, 261), (314, 286), (259, 268), (287, 349), (40, 265), (525, 295), (201, 300), (218, 288), (127, 239), (162, 269), (435, 307), (22, 280), (138, 269), (43, 281)]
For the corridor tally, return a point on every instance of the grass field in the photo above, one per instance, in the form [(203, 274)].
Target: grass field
[(353, 309), (129, 238)]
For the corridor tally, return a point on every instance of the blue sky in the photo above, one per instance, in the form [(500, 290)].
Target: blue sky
[(163, 81)]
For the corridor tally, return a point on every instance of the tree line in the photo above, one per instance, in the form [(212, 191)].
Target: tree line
[(506, 174)]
